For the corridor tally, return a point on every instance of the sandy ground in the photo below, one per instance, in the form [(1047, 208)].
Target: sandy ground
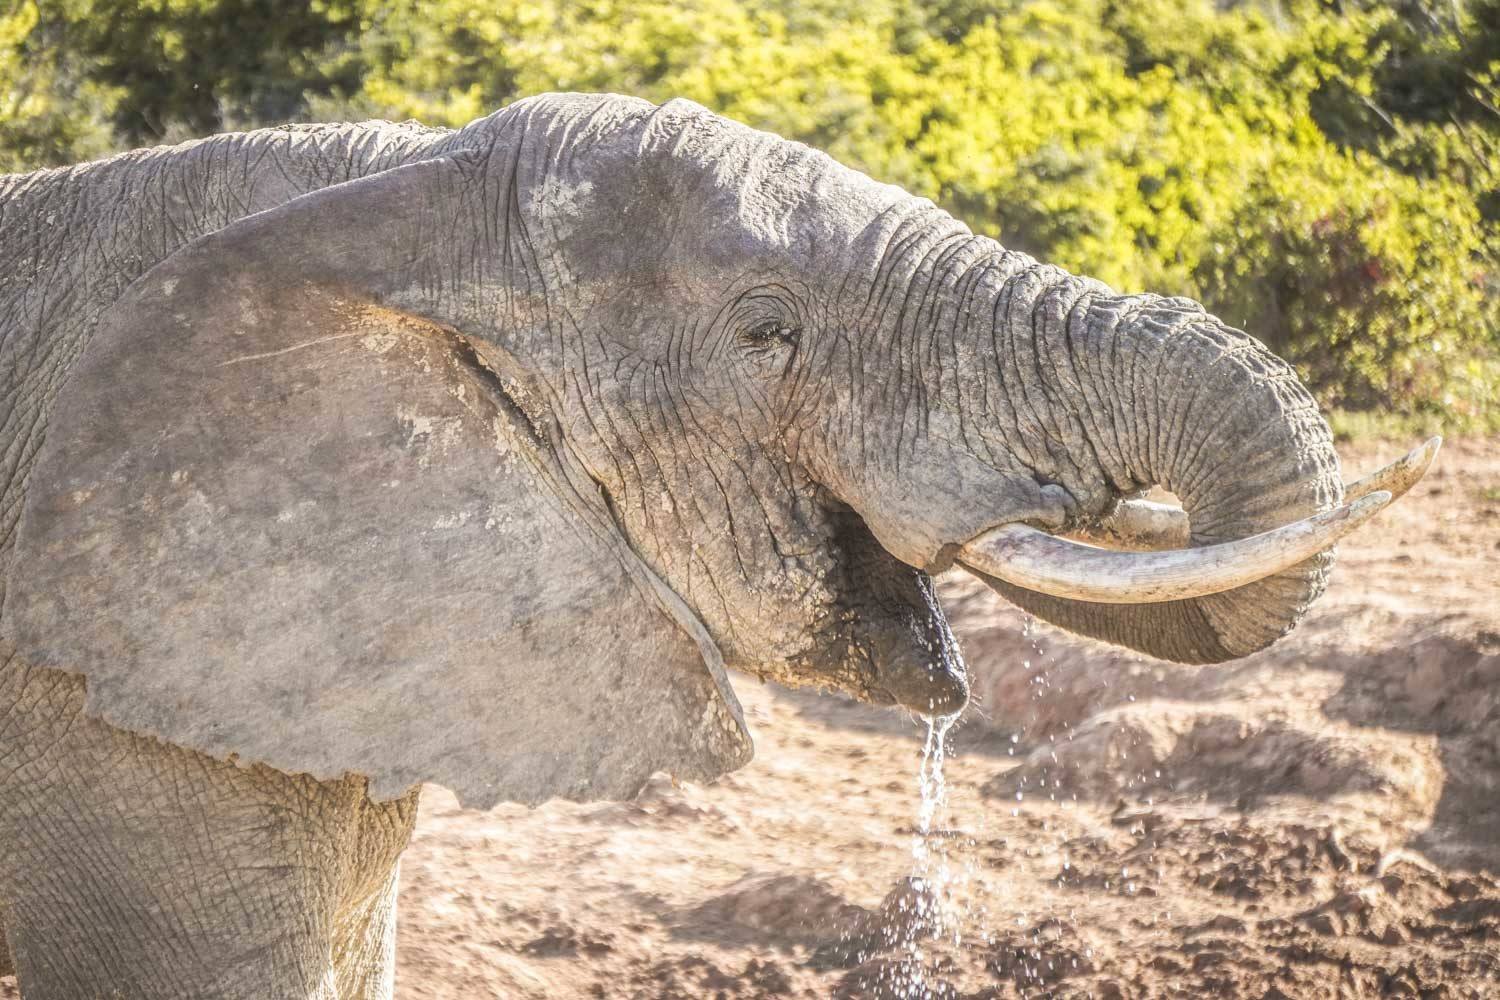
[(1320, 820)]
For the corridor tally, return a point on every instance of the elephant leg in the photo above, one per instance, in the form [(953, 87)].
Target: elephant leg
[(364, 945), (133, 868)]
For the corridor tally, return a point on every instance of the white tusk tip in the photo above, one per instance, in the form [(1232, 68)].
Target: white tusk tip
[(1420, 458), (1400, 476), (1369, 505)]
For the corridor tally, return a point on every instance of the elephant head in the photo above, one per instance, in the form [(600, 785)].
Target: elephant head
[(481, 469)]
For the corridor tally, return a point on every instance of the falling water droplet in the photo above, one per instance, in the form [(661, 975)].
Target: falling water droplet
[(930, 780), (933, 877)]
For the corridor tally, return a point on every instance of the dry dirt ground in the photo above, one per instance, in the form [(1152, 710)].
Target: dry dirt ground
[(1320, 820)]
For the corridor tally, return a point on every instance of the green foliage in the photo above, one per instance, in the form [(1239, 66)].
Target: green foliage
[(1322, 173), (50, 114), (201, 64), (1333, 264)]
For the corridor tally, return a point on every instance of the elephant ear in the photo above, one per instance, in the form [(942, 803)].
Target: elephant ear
[(279, 519)]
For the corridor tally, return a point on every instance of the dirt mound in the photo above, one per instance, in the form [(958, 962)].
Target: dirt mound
[(1392, 720), (773, 909)]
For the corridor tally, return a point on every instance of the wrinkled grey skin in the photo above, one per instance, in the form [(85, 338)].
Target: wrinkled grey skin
[(799, 392)]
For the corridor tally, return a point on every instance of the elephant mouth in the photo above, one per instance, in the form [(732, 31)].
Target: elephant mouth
[(891, 644), (1159, 564)]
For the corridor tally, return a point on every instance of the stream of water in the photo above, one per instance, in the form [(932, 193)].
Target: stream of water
[(933, 913), (927, 908), (933, 788)]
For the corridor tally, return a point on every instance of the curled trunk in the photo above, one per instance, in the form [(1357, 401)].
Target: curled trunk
[(1133, 392)]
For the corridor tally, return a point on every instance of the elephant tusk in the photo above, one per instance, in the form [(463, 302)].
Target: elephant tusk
[(1031, 558), (1147, 524), (1398, 477)]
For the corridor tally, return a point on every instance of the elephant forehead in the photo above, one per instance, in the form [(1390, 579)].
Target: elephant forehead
[(682, 187), (317, 537)]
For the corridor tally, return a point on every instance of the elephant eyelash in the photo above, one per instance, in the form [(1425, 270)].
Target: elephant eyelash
[(770, 335)]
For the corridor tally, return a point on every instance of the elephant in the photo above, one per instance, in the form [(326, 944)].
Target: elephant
[(343, 458)]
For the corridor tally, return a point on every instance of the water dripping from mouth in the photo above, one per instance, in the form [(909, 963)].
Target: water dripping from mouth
[(933, 786), (923, 909)]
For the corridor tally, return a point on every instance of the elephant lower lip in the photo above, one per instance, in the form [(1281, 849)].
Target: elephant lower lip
[(931, 693)]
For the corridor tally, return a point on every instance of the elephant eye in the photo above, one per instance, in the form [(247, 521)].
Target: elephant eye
[(770, 347), (772, 334)]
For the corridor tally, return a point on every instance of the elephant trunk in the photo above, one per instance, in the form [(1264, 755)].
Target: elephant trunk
[(1132, 392)]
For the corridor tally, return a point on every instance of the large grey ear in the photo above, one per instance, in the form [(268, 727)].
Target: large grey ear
[(278, 520)]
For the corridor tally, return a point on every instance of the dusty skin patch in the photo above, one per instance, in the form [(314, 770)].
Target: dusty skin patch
[(1322, 823)]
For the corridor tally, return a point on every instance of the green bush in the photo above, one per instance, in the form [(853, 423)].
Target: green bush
[(1371, 280), (1323, 175), (51, 112)]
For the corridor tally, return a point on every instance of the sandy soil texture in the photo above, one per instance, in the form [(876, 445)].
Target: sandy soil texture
[(1319, 820)]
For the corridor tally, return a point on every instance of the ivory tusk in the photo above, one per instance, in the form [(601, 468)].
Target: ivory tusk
[(1398, 477), (1030, 558)]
